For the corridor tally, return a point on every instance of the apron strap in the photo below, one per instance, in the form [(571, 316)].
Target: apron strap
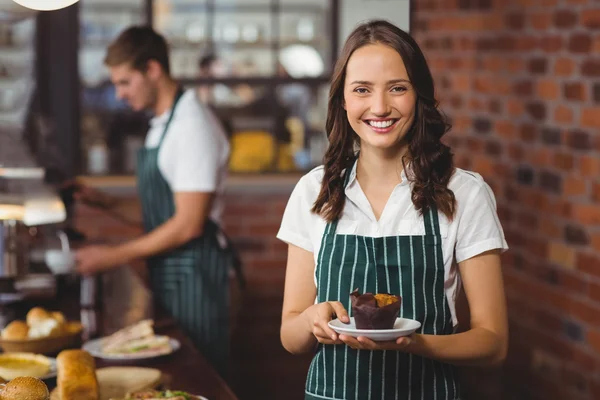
[(432, 222), (332, 226), (177, 98)]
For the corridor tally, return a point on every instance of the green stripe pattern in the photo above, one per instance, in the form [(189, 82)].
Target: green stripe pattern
[(409, 266), (191, 282)]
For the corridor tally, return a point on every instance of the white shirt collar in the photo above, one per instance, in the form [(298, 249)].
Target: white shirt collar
[(353, 175)]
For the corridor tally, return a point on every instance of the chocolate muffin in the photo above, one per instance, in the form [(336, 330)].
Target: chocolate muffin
[(375, 311)]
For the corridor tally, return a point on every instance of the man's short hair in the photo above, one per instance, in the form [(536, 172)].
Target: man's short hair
[(136, 46)]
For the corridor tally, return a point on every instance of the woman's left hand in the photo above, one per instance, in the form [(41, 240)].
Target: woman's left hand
[(363, 343)]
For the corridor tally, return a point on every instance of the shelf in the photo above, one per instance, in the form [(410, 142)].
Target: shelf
[(179, 44)]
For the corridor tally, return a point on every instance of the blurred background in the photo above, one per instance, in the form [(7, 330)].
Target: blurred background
[(519, 80)]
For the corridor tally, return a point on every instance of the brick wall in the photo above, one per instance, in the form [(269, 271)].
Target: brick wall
[(520, 80)]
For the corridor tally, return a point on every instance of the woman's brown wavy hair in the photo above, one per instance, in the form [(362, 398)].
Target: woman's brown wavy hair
[(431, 163)]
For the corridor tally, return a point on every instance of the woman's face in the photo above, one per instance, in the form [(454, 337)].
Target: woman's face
[(378, 97)]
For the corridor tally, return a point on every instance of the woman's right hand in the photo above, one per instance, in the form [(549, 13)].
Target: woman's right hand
[(321, 314)]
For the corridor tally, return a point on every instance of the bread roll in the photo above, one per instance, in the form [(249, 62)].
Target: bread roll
[(76, 378), (36, 315), (15, 330), (25, 388), (59, 317)]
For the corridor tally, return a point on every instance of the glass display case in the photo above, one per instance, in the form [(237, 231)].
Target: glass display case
[(17, 70), (262, 65)]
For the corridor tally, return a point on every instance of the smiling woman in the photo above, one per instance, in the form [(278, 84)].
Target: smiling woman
[(388, 213)]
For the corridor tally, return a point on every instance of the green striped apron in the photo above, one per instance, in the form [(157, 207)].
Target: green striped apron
[(408, 266), (190, 282)]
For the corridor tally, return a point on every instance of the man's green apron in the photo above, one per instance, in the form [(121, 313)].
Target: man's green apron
[(408, 266), (190, 282)]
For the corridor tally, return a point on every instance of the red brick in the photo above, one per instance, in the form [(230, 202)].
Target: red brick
[(594, 292), (588, 263), (529, 43), (558, 207), (587, 214), (505, 129), (493, 63), (551, 44), (565, 18), (596, 45), (591, 18), (516, 64), (564, 67), (563, 114), (548, 89), (515, 152), (563, 160), (550, 228), (461, 82), (589, 166), (574, 187), (483, 165), (580, 43), (574, 91), (596, 243), (586, 311), (596, 192), (590, 117), (540, 21), (515, 107), (591, 68)]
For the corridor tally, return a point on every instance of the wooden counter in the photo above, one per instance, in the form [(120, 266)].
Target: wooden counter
[(126, 300), (257, 183)]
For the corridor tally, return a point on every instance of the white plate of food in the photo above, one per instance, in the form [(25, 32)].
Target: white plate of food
[(13, 365), (162, 394), (135, 342), (402, 327)]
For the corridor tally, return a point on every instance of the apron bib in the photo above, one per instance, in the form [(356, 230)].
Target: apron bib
[(408, 266), (190, 282)]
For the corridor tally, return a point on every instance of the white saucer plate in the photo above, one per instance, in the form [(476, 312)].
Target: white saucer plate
[(402, 327)]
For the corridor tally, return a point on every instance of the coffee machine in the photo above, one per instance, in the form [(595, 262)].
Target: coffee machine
[(26, 204)]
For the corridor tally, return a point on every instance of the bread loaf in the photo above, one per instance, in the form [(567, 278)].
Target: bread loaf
[(76, 378)]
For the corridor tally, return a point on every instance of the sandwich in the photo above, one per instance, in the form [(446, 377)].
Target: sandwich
[(135, 339)]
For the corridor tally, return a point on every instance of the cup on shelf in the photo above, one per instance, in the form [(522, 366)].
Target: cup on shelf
[(61, 261)]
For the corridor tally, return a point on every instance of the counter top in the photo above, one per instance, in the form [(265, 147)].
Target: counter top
[(262, 183), (125, 300)]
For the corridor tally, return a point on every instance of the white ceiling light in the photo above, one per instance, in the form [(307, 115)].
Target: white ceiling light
[(45, 5)]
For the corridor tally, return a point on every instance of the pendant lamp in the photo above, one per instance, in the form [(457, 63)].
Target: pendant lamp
[(45, 5)]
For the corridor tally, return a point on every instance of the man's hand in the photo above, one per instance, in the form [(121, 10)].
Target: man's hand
[(91, 196), (94, 259)]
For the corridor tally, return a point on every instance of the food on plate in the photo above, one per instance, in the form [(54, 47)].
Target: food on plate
[(25, 388), (13, 365), (377, 311), (15, 330), (115, 381), (39, 323), (76, 378), (135, 339), (158, 395)]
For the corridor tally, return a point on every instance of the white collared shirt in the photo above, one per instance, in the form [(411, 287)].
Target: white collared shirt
[(475, 228), (195, 151)]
